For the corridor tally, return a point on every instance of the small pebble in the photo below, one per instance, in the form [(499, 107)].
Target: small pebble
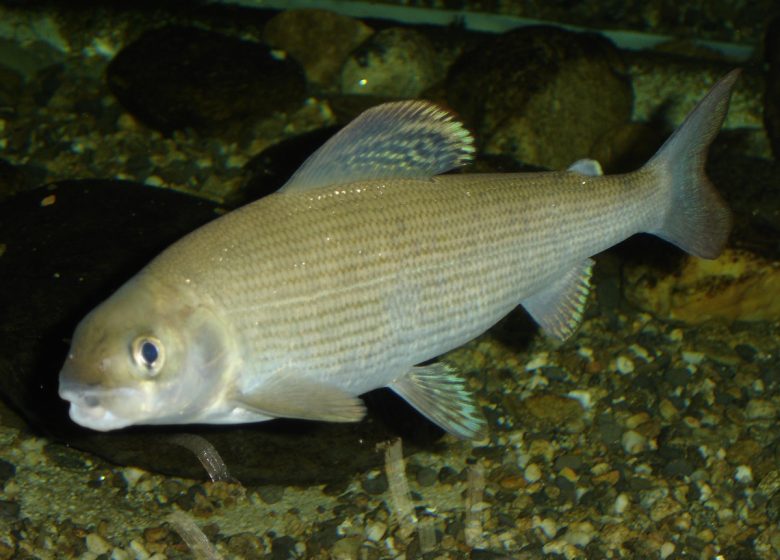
[(693, 358), (744, 474), (271, 493), (426, 476), (667, 549), (760, 409), (624, 364), (663, 508), (532, 473), (375, 530), (97, 544), (633, 442), (621, 503), (580, 534)]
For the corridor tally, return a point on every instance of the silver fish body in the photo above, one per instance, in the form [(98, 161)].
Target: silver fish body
[(367, 263)]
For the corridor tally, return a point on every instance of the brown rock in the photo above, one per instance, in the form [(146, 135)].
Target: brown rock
[(736, 286), (542, 94), (320, 40)]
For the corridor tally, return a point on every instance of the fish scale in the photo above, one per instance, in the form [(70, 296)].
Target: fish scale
[(368, 262)]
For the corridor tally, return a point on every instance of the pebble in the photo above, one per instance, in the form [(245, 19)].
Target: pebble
[(580, 534), (633, 442), (396, 62), (375, 530), (667, 410), (693, 358), (760, 409), (375, 483), (426, 476), (271, 493), (663, 508), (744, 474), (346, 548), (624, 364), (97, 544), (532, 473), (770, 484), (621, 503)]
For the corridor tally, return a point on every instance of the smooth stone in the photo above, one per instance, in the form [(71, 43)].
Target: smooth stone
[(320, 40), (541, 94), (396, 62)]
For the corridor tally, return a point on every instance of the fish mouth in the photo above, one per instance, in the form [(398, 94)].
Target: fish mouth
[(87, 411)]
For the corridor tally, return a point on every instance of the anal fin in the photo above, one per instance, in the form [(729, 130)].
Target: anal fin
[(558, 308), (440, 395)]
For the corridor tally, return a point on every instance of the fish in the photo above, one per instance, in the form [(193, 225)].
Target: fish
[(369, 262)]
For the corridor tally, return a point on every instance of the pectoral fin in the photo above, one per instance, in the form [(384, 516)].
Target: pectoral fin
[(440, 395), (558, 308), (305, 399)]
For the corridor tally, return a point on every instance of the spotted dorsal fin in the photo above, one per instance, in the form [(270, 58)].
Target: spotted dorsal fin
[(404, 139)]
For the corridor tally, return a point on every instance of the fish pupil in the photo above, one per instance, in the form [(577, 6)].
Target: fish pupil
[(149, 353)]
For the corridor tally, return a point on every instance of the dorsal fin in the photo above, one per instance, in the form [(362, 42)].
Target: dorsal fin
[(404, 139)]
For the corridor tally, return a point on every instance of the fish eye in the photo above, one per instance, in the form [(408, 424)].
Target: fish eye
[(149, 353)]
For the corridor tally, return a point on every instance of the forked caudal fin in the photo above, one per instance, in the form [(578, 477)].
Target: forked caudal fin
[(697, 220)]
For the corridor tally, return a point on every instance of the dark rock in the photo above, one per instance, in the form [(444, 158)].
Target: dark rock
[(746, 352), (178, 77), (678, 468), (270, 493), (9, 510), (677, 377), (270, 169), (426, 476), (772, 94), (70, 245), (542, 94), (7, 471), (569, 460), (375, 484), (283, 548), (18, 178)]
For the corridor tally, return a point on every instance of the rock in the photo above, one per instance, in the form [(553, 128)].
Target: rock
[(552, 412), (737, 286), (396, 62), (760, 409), (772, 94), (318, 39), (183, 77), (663, 508), (541, 94), (67, 247)]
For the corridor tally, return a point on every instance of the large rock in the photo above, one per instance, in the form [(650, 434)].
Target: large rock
[(396, 62), (318, 39), (183, 77), (542, 94), (738, 286), (66, 247)]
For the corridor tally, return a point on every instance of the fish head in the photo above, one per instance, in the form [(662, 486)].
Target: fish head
[(152, 353)]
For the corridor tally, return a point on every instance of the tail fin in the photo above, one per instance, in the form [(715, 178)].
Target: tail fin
[(697, 220)]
